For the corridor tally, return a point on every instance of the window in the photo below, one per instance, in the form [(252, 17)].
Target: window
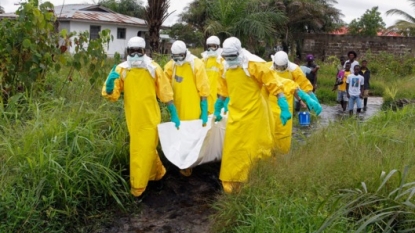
[(94, 32), (121, 33)]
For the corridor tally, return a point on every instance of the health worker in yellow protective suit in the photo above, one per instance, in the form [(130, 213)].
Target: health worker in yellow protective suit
[(283, 68), (190, 84), (248, 134), (142, 81), (214, 69)]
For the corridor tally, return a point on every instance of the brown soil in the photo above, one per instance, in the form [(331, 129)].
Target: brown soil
[(175, 204)]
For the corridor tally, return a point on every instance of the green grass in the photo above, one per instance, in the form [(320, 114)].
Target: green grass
[(286, 194), (386, 74), (63, 158)]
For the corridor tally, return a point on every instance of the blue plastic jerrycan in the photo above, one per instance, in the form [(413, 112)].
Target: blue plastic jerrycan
[(304, 118)]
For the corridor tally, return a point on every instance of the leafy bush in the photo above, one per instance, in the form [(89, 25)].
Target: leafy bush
[(30, 48)]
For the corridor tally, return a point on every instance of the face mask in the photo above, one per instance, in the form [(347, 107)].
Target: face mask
[(211, 53), (232, 60), (179, 63), (136, 61), (234, 63)]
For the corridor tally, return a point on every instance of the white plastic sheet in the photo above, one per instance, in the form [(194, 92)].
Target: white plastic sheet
[(192, 144)]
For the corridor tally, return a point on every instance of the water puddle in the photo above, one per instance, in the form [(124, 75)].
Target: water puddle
[(335, 113)]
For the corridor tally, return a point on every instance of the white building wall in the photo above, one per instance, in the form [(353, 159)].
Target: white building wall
[(117, 45)]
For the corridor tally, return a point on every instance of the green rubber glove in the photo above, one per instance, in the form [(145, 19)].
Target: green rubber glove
[(109, 84), (220, 103), (313, 96), (204, 108), (285, 114), (311, 103), (173, 114), (225, 107)]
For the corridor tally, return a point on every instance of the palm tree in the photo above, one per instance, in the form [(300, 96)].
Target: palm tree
[(404, 26), (249, 20), (156, 13), (195, 14), (1, 10), (306, 16)]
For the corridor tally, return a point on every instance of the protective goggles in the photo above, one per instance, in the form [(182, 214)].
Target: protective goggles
[(280, 68), (230, 57), (212, 47), (178, 57), (136, 51)]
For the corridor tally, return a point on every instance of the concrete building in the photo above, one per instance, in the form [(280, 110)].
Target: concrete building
[(94, 18)]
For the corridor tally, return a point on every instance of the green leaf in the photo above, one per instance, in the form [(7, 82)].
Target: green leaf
[(63, 32), (57, 67), (26, 43)]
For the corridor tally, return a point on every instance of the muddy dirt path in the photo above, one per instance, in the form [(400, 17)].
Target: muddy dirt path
[(183, 204), (174, 205)]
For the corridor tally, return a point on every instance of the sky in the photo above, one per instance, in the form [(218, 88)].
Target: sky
[(350, 8)]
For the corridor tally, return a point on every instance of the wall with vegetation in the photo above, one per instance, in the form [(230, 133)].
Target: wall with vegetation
[(325, 45)]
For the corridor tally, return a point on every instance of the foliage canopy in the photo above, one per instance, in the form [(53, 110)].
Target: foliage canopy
[(369, 24)]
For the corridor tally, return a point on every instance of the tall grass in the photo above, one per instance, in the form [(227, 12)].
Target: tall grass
[(289, 193), (387, 71), (63, 155)]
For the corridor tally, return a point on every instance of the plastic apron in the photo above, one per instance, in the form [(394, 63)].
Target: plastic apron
[(186, 96), (143, 115), (248, 133), (283, 133), (213, 71)]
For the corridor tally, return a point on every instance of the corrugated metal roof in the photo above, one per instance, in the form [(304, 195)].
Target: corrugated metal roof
[(8, 15), (89, 12)]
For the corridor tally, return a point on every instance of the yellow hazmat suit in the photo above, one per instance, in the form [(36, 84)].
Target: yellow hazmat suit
[(248, 132), (190, 83), (214, 70), (292, 78), (142, 113)]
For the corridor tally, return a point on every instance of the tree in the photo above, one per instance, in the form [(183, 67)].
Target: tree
[(404, 26), (1, 10), (249, 20), (186, 33), (305, 16), (368, 25), (156, 13), (263, 20), (126, 7), (196, 15)]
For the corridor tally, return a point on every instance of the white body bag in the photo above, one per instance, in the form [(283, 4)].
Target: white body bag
[(192, 144)]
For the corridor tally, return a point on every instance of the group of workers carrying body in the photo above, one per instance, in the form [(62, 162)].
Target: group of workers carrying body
[(257, 95)]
